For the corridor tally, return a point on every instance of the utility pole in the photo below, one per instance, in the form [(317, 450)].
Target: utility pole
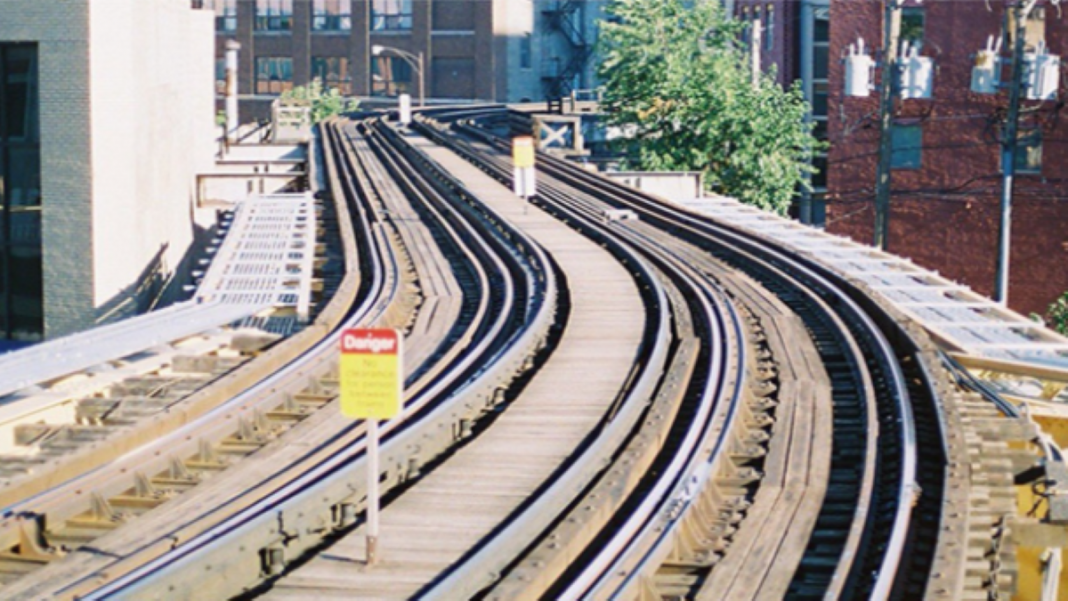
[(891, 34), (1021, 11)]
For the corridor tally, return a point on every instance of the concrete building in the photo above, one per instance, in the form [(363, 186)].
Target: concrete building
[(493, 50), (98, 156), (946, 176)]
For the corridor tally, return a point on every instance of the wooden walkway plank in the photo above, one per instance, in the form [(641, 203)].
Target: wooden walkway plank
[(433, 524)]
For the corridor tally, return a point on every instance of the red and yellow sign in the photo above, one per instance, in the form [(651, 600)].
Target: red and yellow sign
[(523, 152), (371, 376)]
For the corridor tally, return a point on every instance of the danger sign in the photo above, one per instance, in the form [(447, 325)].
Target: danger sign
[(523, 151), (370, 374)]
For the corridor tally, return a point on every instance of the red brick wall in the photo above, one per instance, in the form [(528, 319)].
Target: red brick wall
[(945, 215)]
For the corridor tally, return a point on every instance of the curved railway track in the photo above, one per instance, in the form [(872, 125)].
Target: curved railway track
[(192, 442), (304, 495), (858, 547), (702, 350), (708, 474)]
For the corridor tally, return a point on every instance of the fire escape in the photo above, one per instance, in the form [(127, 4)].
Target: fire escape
[(565, 19)]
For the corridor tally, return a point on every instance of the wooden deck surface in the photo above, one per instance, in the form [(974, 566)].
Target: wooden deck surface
[(450, 510)]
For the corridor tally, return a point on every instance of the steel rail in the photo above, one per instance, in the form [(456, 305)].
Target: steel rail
[(484, 368), (690, 468), (55, 359), (677, 481), (480, 567), (47, 503), (906, 491), (56, 503), (711, 413)]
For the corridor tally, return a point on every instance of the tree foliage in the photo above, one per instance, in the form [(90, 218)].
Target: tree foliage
[(1057, 314), (678, 84), (323, 103)]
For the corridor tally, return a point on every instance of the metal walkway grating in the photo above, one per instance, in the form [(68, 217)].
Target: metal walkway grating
[(267, 258), (949, 310)]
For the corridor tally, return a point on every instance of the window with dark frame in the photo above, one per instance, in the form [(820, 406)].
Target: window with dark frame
[(274, 74), (747, 30), (21, 272), (820, 87), (391, 15), (390, 76), (907, 146), (274, 15), (332, 15), (225, 14), (1029, 150), (913, 23), (333, 73), (526, 51), (1035, 31), (769, 28), (220, 76)]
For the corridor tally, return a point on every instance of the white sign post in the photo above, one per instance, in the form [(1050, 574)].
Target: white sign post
[(371, 382), (405, 101), (524, 184)]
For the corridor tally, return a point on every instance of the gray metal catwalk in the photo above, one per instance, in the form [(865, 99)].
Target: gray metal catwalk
[(267, 257), (960, 319), (47, 361), (265, 261)]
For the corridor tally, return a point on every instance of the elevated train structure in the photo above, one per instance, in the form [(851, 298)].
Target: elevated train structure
[(608, 395)]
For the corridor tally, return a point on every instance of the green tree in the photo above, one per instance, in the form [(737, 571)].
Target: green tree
[(323, 103), (1057, 314), (678, 84)]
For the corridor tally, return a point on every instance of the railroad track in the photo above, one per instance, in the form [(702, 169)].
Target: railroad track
[(300, 493), (700, 349), (709, 474), (697, 426), (864, 526), (189, 442)]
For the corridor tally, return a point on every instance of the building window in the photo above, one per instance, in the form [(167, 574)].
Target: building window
[(907, 142), (390, 76), (769, 29), (21, 275), (333, 73), (1029, 150), (454, 15), (747, 30), (820, 62), (332, 15), (225, 14), (1035, 31), (816, 90), (391, 15), (220, 76), (525, 51), (912, 27), (274, 15), (274, 74)]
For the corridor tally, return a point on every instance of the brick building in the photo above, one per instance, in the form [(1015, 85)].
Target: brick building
[(97, 160), (946, 177), (494, 50)]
